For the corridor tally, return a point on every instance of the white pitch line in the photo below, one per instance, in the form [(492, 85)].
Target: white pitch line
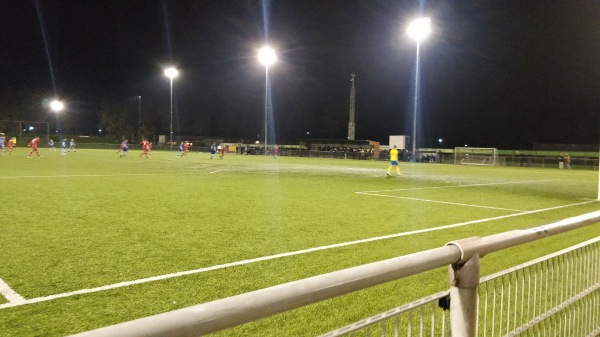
[(459, 186), (373, 193), (272, 257), (10, 294), (86, 175), (443, 202)]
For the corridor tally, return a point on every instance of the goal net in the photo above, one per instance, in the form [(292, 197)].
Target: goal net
[(476, 156)]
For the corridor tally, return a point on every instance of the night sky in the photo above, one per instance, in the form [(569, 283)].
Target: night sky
[(506, 74)]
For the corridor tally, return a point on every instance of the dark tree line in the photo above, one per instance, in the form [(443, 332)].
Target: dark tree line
[(125, 118)]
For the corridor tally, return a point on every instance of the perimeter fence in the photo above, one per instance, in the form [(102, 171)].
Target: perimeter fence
[(556, 295), (539, 161)]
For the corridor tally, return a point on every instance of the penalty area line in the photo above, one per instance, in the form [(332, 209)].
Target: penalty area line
[(460, 186), (272, 257), (443, 202)]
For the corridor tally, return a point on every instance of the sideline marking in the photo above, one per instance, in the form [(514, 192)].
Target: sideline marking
[(272, 257), (86, 175), (10, 294)]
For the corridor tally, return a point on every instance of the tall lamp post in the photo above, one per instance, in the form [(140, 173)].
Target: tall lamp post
[(56, 106), (171, 73), (417, 30), (139, 118), (267, 57)]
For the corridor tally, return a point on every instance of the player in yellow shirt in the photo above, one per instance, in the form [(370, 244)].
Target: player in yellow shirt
[(394, 161)]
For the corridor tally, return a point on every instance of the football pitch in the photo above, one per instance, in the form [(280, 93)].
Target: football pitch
[(90, 239)]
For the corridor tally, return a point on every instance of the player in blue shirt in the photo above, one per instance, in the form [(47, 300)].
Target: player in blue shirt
[(124, 148), (213, 149), (180, 149)]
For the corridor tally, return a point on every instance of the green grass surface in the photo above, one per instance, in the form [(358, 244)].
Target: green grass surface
[(90, 219)]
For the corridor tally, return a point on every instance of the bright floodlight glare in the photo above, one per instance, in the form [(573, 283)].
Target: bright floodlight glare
[(419, 29), (266, 56), (171, 72), (56, 105)]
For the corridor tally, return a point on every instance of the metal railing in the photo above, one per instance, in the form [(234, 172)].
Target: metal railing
[(555, 295), (564, 290)]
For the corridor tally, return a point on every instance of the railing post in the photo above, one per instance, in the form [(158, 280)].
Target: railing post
[(464, 280)]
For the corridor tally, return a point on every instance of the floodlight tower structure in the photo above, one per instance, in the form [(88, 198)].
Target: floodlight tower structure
[(267, 57), (56, 106), (171, 73), (139, 119), (351, 124), (417, 30)]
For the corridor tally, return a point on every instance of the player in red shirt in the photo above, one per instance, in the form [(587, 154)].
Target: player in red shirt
[(186, 148), (275, 151), (145, 148), (222, 152), (11, 144), (183, 148), (34, 147)]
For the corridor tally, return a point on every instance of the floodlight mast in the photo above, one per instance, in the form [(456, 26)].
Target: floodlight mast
[(267, 57), (56, 106), (139, 119), (351, 124), (171, 73), (417, 30)]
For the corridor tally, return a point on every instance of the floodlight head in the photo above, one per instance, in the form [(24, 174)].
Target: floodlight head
[(171, 72), (419, 29), (56, 105), (267, 56)]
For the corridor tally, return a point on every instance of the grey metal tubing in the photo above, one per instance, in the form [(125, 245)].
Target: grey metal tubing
[(464, 281)]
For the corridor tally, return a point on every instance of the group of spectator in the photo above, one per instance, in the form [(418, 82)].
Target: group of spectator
[(403, 155), (358, 153), (352, 153), (428, 158), (524, 160), (564, 161)]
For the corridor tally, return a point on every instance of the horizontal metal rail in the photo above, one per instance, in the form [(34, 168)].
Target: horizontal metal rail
[(225, 313), (423, 313)]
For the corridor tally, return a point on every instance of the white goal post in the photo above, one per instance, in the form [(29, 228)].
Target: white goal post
[(476, 156)]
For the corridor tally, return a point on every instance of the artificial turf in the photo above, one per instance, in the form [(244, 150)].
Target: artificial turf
[(91, 219)]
